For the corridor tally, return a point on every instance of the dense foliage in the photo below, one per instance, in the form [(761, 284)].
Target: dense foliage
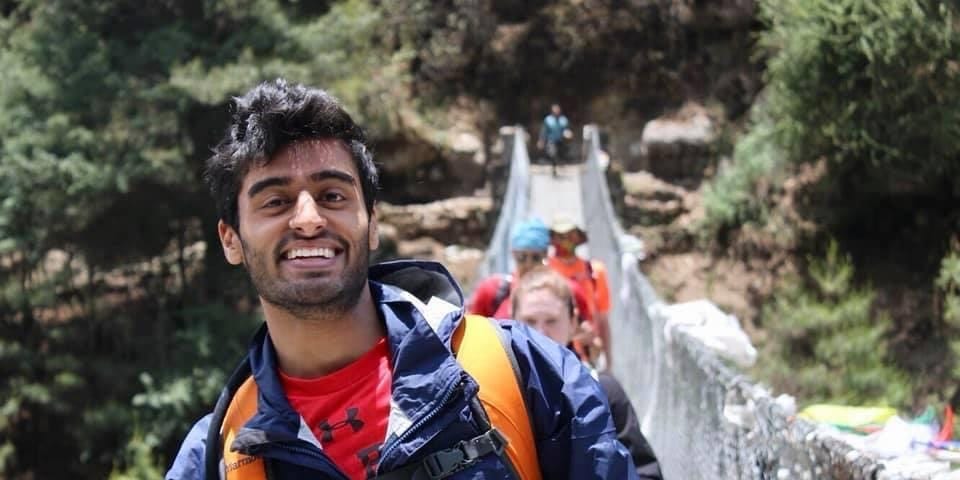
[(111, 330), (947, 285), (872, 87), (825, 342), (739, 194), (869, 92)]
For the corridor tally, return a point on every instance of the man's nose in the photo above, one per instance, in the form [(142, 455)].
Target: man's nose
[(307, 219)]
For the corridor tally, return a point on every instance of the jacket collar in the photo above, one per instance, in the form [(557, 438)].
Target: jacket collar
[(420, 305)]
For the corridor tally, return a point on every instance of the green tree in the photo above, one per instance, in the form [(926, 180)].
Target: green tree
[(116, 323), (824, 341), (739, 194), (947, 285), (948, 282), (870, 86)]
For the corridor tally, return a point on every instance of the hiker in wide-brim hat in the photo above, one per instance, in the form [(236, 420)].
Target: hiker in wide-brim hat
[(565, 229), (566, 235)]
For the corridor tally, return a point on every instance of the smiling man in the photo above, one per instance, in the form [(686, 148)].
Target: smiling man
[(305, 238), (353, 374)]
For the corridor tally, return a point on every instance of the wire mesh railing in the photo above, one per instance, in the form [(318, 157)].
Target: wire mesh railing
[(703, 417), (516, 202)]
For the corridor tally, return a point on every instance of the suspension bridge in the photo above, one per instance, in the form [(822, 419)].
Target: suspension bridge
[(703, 417)]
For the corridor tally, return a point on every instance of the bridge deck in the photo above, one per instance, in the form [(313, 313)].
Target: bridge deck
[(550, 196)]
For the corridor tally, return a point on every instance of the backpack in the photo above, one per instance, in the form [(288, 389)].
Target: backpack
[(503, 291), (500, 407), (593, 279)]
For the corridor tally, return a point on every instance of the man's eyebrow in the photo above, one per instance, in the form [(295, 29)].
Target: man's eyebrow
[(320, 176), (266, 183), (333, 174)]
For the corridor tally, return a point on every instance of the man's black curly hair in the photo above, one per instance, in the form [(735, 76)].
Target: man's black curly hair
[(271, 116)]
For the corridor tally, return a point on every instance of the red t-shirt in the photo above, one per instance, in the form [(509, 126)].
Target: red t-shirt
[(482, 302), (348, 410)]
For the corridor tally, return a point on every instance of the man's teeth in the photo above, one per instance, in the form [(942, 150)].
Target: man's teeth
[(310, 252)]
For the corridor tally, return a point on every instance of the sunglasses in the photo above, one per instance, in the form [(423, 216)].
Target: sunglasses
[(523, 257)]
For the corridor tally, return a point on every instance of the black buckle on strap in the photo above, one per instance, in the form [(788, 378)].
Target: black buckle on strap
[(447, 462), (444, 463)]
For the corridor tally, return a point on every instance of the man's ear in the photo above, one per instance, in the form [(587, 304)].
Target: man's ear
[(230, 241), (374, 231)]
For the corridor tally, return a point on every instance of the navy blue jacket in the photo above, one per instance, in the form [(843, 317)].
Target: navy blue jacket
[(421, 305)]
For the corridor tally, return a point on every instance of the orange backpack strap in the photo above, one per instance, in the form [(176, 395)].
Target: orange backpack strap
[(236, 405), (484, 350), (236, 465)]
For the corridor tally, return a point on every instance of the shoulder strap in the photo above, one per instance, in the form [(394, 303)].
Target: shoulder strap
[(237, 403), (503, 291), (593, 279), (484, 350)]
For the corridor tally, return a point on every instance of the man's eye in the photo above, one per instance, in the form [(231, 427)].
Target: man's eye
[(275, 202), (333, 197)]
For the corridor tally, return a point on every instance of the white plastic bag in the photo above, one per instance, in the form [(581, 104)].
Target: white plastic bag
[(717, 330)]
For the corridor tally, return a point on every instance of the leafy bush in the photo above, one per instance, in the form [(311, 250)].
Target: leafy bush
[(873, 86), (207, 349), (948, 286), (736, 195), (141, 461), (825, 344), (107, 111)]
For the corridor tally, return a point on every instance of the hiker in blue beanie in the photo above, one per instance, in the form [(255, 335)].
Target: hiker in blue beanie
[(530, 236), (529, 242)]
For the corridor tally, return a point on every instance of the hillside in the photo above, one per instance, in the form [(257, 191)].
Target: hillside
[(795, 161)]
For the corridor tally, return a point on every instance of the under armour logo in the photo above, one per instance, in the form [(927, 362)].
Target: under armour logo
[(327, 428), (370, 457)]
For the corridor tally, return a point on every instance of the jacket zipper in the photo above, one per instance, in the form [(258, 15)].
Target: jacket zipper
[(458, 388), (308, 453)]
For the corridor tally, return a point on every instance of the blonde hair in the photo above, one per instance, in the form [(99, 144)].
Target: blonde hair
[(544, 278)]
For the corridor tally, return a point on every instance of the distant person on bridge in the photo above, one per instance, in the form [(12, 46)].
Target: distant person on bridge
[(591, 275), (543, 300), (555, 135), (353, 374)]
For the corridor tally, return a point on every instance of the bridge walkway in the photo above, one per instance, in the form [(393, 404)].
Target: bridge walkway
[(703, 417)]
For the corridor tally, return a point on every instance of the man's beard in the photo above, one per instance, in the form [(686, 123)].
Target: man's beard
[(306, 298)]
